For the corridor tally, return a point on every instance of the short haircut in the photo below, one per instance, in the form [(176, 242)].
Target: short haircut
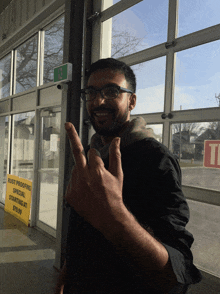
[(115, 65)]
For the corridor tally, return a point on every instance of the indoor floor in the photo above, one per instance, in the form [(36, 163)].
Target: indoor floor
[(27, 258)]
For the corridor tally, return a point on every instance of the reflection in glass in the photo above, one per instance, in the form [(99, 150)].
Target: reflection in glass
[(150, 77), (3, 156), (197, 15), (5, 73), (53, 49), (142, 26), (155, 131), (188, 147), (197, 77), (23, 145), (26, 65), (49, 165)]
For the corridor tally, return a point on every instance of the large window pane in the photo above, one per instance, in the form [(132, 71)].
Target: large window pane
[(53, 49), (197, 77), (204, 225), (196, 15), (5, 73), (23, 145), (26, 65), (188, 146), (142, 26), (155, 131), (3, 156), (150, 77)]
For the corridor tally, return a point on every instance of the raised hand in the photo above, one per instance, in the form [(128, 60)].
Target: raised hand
[(94, 192)]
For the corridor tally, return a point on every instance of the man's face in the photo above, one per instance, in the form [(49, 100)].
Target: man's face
[(108, 116)]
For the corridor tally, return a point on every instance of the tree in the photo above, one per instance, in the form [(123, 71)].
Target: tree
[(124, 42)]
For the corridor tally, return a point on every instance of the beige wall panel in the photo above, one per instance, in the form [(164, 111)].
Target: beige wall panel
[(5, 22), (32, 8), (25, 102), (18, 14), (13, 17), (47, 2), (1, 27), (4, 106), (23, 8), (50, 96)]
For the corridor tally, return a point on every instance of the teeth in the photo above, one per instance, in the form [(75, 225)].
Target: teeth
[(101, 114)]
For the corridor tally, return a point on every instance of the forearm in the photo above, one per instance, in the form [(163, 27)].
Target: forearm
[(146, 253)]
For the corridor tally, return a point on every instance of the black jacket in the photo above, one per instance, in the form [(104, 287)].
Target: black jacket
[(152, 193)]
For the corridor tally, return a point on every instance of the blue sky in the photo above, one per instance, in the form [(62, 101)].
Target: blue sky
[(197, 77)]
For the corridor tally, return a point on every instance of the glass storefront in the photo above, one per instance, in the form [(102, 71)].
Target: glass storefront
[(49, 165), (4, 135), (23, 145)]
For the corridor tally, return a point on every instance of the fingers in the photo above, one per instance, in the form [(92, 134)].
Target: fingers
[(76, 145), (115, 167), (95, 161)]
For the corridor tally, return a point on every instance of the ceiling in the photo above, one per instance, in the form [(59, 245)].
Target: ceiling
[(3, 4)]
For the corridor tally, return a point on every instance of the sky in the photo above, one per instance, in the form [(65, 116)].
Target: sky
[(197, 74)]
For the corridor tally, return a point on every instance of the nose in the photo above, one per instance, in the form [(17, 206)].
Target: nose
[(99, 100)]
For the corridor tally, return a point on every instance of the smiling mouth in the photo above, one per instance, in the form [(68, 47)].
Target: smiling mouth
[(100, 114)]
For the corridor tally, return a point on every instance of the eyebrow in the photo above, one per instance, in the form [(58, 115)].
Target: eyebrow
[(107, 85)]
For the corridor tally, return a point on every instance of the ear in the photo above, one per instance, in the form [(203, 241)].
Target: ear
[(132, 101)]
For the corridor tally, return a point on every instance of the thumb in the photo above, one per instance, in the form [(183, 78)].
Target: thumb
[(115, 167)]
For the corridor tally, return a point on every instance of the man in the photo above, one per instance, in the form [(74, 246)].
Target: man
[(128, 213)]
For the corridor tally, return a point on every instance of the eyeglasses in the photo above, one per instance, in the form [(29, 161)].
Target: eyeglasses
[(107, 92)]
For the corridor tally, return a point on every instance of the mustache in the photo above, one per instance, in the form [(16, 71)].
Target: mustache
[(103, 109)]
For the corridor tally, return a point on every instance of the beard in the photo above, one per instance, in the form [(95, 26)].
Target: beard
[(112, 129)]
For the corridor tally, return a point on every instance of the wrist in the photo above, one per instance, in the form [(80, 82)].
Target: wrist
[(119, 219)]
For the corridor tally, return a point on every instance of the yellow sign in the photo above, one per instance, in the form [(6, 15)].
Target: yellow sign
[(18, 198)]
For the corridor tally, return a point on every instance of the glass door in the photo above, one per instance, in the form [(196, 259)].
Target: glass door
[(49, 166), (4, 135)]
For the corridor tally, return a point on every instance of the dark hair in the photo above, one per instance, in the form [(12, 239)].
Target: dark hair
[(115, 65)]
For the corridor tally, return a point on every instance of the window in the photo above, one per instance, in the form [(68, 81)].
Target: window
[(5, 73), (26, 65), (142, 26), (188, 146), (197, 15), (23, 145), (197, 77), (53, 49), (150, 78)]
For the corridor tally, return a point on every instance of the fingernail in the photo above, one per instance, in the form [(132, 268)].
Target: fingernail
[(67, 126)]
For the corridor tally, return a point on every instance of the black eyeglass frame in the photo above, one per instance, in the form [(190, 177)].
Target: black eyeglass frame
[(83, 91)]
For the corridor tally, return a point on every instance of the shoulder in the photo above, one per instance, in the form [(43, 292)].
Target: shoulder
[(148, 149)]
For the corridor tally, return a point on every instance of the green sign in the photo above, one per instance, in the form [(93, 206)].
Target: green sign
[(63, 73)]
